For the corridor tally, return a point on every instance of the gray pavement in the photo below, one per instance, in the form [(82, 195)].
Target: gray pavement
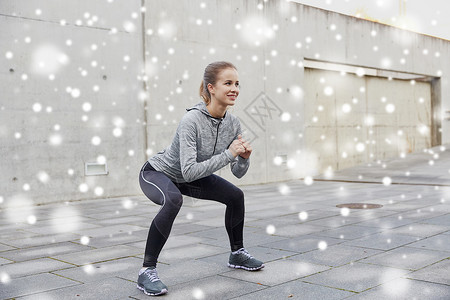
[(93, 249)]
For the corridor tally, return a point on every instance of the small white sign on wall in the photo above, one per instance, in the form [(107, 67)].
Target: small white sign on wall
[(91, 169)]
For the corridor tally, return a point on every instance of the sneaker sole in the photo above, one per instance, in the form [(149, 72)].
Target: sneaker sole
[(163, 291), (246, 268)]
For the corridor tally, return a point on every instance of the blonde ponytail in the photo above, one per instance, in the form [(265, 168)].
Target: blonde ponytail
[(204, 93)]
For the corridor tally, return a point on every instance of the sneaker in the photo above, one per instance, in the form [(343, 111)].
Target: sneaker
[(241, 259), (150, 284)]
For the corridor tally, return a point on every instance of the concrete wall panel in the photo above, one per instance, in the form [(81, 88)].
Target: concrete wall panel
[(64, 86), (322, 141), (349, 102)]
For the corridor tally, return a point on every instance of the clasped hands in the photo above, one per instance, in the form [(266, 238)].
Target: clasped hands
[(240, 147)]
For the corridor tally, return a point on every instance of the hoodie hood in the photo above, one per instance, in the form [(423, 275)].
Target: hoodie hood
[(201, 106)]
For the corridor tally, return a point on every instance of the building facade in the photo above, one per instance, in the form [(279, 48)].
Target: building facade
[(90, 89)]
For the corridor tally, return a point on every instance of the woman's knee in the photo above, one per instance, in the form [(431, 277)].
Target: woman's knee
[(176, 199), (237, 196), (170, 209), (151, 190)]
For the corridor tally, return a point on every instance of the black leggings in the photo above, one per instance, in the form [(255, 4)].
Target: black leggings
[(161, 190)]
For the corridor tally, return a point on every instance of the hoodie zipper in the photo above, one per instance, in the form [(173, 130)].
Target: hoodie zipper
[(217, 136)]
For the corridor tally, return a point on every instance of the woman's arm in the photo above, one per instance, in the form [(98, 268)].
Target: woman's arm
[(240, 165)]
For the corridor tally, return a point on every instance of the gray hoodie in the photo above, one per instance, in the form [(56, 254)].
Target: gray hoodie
[(200, 147)]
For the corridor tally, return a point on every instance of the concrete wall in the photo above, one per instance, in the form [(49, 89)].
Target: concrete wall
[(139, 64), (65, 85), (360, 119)]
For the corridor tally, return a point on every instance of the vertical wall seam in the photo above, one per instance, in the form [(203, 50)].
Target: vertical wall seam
[(436, 112), (144, 82), (336, 131)]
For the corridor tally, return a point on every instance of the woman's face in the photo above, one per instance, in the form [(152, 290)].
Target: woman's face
[(226, 89)]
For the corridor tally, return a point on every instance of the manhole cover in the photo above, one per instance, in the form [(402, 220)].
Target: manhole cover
[(359, 205)]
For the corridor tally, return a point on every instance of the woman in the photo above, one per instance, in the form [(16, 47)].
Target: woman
[(207, 139)]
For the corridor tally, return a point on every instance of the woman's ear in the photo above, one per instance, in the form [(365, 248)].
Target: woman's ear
[(210, 88)]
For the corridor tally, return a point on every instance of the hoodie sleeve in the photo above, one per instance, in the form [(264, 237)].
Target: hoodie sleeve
[(190, 168), (239, 165)]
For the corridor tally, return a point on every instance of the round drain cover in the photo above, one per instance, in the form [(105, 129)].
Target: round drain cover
[(359, 205)]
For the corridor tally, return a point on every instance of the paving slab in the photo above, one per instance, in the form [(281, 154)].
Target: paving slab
[(423, 215), (178, 241), (214, 287), (356, 277), (189, 228), (127, 268), (387, 222), (31, 285), (31, 267), (4, 247), (220, 233), (11, 227), (129, 220), (421, 229), (5, 261), (274, 213), (251, 239), (258, 238), (108, 215), (98, 255), (40, 240), (43, 251), (407, 289), (8, 235), (109, 288), (302, 244), (382, 241), (336, 221), (297, 289), (368, 214), (336, 255), (438, 273), (62, 228), (183, 272), (124, 238), (264, 254), (109, 230), (295, 230), (441, 220), (349, 232), (173, 255), (277, 272), (440, 242), (408, 205), (210, 233), (312, 214), (407, 258), (57, 221), (277, 222)]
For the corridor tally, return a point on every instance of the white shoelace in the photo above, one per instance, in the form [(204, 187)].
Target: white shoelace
[(243, 251), (152, 274)]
